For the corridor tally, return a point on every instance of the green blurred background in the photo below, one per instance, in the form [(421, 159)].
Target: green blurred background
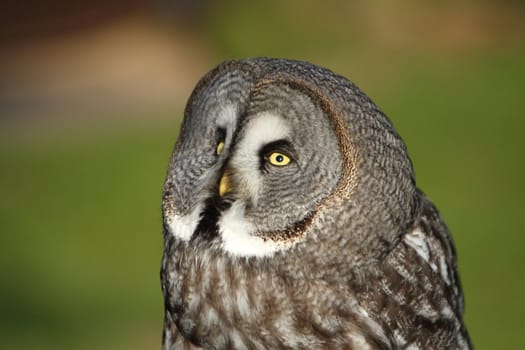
[(91, 98)]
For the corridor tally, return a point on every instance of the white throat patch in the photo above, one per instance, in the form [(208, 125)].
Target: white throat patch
[(237, 239)]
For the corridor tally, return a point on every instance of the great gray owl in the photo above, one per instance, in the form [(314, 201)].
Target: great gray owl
[(292, 221)]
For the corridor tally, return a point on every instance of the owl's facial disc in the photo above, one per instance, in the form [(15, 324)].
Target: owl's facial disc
[(284, 161), (253, 174)]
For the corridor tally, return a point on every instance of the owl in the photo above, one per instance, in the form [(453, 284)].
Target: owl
[(292, 220)]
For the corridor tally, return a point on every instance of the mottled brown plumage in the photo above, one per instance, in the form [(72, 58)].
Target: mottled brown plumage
[(335, 249)]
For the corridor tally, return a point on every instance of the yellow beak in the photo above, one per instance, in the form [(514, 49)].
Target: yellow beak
[(224, 184)]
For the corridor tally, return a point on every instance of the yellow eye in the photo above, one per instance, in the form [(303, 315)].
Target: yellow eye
[(279, 159), (220, 147)]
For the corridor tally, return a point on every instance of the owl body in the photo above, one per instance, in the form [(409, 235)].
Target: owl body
[(292, 221)]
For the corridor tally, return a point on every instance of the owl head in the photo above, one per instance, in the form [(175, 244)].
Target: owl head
[(273, 153)]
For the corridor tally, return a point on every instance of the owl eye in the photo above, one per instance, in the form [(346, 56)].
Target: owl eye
[(220, 147), (278, 159)]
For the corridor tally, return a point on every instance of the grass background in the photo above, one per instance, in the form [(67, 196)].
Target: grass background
[(80, 226)]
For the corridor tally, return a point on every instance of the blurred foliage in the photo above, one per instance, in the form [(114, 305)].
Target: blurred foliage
[(81, 240), (80, 212), (339, 29)]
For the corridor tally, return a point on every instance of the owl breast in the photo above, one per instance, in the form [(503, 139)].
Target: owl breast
[(219, 303)]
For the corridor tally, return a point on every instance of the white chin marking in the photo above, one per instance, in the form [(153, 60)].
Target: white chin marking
[(182, 227), (237, 239)]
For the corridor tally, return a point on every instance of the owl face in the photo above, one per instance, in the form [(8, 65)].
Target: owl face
[(250, 169)]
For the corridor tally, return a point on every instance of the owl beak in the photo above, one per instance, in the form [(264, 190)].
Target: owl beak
[(224, 184)]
